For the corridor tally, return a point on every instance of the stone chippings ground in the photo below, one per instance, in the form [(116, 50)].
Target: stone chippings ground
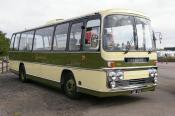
[(32, 99)]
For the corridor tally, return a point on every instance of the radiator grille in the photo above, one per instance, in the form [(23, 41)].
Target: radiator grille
[(134, 81), (136, 60)]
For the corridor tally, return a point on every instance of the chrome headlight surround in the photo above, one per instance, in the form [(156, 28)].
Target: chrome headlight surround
[(113, 76), (153, 73)]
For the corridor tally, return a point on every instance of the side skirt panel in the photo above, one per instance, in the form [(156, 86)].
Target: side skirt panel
[(49, 83)]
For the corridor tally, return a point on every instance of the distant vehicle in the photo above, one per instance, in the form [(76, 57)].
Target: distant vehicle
[(166, 52), (107, 53)]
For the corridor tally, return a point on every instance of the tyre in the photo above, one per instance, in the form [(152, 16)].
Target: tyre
[(22, 74), (70, 87)]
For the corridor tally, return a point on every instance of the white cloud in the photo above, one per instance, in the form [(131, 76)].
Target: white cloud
[(17, 15)]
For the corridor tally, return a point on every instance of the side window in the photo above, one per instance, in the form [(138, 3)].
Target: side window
[(92, 34), (26, 41), (12, 41), (60, 37), (43, 39), (75, 37), (16, 41)]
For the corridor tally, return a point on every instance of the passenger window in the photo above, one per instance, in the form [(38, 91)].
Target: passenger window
[(26, 41), (43, 39), (60, 38), (75, 36), (16, 41), (12, 42), (92, 34)]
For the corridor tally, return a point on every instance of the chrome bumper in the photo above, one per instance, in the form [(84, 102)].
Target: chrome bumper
[(132, 87)]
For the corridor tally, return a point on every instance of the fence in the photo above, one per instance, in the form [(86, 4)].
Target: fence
[(4, 65)]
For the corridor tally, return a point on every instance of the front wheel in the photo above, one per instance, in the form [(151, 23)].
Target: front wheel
[(22, 74), (70, 88)]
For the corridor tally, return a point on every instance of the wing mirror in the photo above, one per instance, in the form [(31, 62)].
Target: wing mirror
[(158, 36)]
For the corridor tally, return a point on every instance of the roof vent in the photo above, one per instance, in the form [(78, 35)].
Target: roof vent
[(54, 21)]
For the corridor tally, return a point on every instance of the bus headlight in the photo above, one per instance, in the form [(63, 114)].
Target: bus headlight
[(120, 75), (152, 72), (112, 84), (155, 79), (155, 74), (113, 76)]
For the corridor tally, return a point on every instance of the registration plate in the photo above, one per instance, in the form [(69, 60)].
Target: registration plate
[(136, 91)]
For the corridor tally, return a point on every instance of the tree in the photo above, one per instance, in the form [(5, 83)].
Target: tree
[(4, 44)]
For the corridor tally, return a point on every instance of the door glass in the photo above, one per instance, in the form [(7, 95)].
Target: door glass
[(92, 34)]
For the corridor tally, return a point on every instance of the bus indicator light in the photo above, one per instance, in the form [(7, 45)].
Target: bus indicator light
[(111, 64)]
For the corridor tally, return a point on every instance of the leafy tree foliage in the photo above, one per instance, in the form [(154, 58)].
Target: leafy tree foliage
[(4, 44)]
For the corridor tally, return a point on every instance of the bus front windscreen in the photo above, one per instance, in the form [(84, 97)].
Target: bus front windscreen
[(122, 32)]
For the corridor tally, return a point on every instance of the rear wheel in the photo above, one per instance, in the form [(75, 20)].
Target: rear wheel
[(70, 88), (22, 74)]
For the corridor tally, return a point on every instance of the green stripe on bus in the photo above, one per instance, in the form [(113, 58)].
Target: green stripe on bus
[(82, 60)]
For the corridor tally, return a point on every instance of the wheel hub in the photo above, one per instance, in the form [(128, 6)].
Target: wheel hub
[(70, 86)]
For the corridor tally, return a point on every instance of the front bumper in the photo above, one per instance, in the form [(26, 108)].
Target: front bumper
[(120, 90), (132, 87)]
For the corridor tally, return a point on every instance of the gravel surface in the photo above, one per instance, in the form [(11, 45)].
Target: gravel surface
[(32, 99)]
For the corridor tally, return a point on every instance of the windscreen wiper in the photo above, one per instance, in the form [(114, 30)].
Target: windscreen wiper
[(129, 45), (149, 51)]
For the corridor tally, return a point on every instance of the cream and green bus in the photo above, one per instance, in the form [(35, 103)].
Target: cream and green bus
[(106, 53)]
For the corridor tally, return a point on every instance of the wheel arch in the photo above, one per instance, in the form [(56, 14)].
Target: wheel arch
[(63, 76), (22, 72), (21, 64)]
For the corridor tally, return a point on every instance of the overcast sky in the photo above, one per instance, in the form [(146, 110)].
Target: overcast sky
[(16, 15)]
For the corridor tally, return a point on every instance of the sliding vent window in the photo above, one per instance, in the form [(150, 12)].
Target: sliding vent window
[(92, 34), (26, 41), (60, 38), (43, 39), (16, 41), (75, 37)]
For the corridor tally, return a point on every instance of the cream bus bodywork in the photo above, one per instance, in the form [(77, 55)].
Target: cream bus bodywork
[(94, 81)]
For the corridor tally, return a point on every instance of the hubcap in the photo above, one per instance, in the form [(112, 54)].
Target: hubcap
[(22, 76), (70, 86)]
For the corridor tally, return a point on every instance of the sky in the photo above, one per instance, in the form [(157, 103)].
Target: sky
[(17, 15)]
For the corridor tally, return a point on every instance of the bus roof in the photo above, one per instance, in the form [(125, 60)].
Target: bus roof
[(102, 12), (123, 11)]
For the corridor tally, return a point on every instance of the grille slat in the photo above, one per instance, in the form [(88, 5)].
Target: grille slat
[(136, 60), (134, 81)]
